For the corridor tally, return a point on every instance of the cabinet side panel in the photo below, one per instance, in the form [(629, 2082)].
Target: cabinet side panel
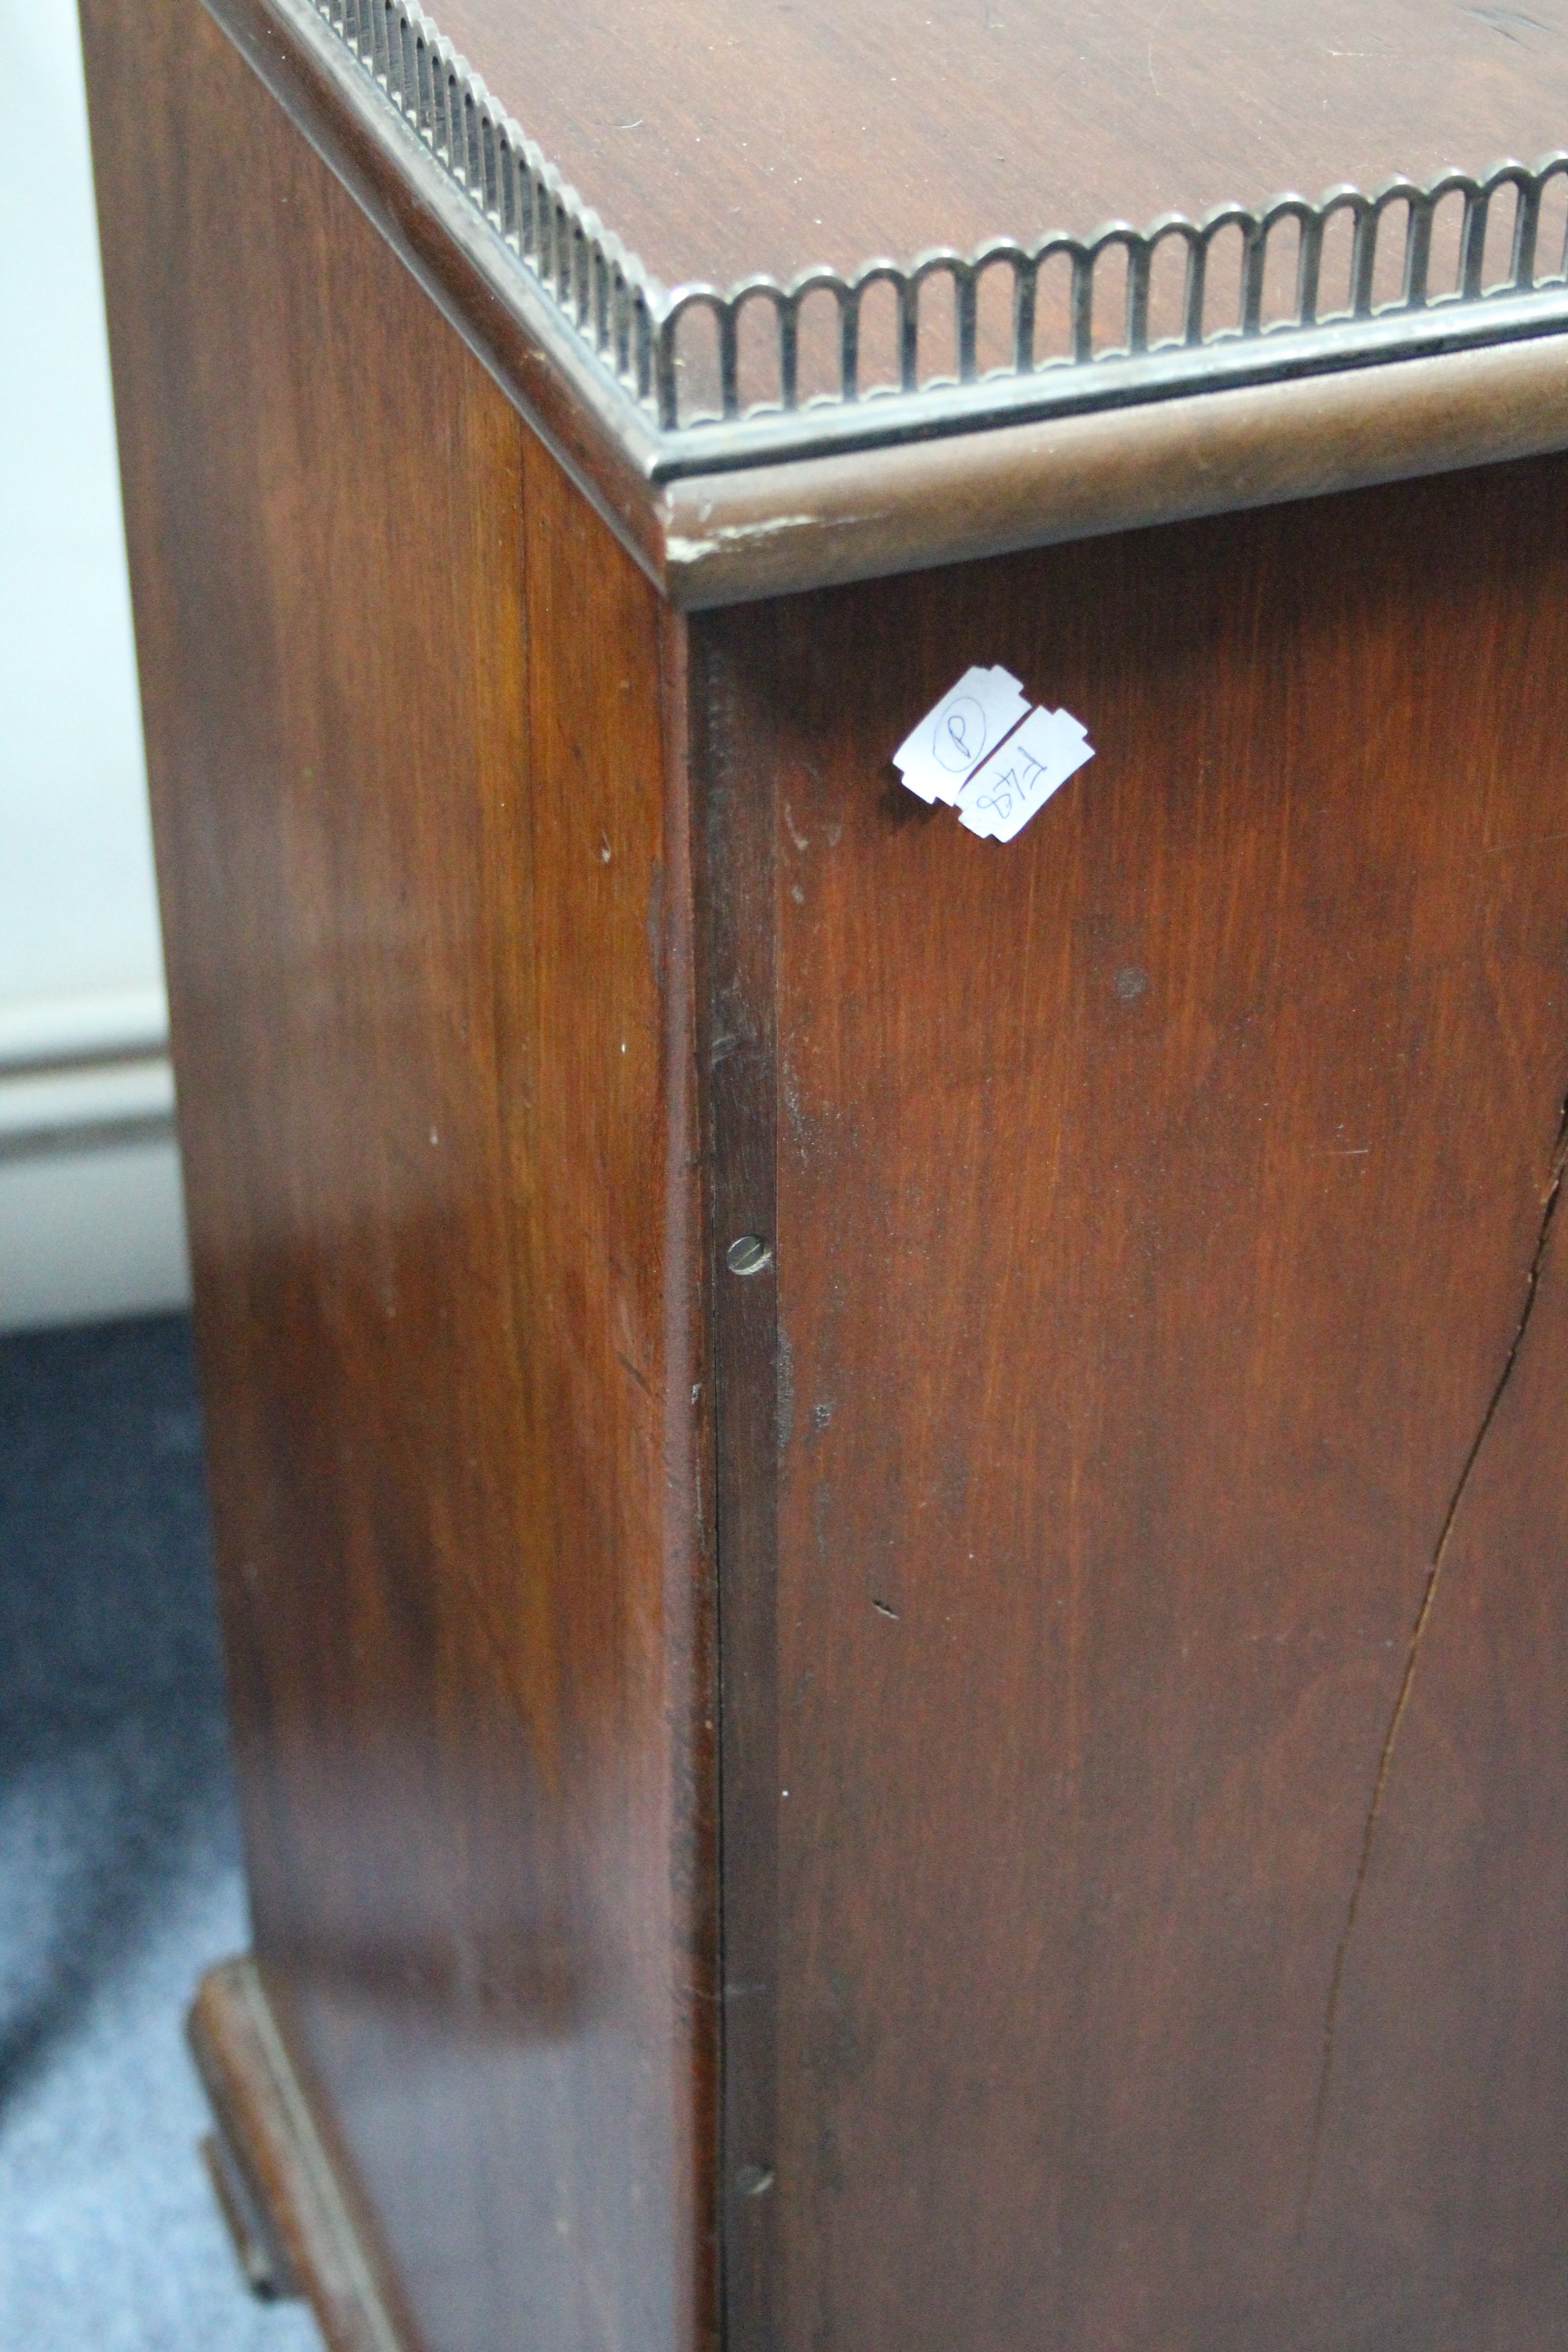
[(1171, 1750), (423, 869)]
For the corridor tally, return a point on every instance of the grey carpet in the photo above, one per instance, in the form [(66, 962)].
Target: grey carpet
[(120, 1875)]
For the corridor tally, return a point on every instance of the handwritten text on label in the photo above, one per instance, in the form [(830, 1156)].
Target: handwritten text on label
[(972, 751), (951, 741)]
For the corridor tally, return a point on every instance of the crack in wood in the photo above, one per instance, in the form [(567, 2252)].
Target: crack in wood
[(1550, 1198)]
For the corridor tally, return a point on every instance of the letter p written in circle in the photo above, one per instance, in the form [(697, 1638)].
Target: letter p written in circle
[(959, 737)]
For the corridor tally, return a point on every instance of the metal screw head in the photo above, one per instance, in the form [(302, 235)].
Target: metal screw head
[(754, 2179), (747, 1254)]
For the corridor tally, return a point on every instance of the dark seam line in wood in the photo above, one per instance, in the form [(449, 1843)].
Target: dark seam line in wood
[(723, 1795), (1412, 1658)]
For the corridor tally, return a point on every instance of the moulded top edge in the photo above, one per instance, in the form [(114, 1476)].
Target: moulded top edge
[(638, 381), (962, 336)]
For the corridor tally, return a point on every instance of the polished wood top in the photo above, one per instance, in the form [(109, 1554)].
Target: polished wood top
[(719, 137), (765, 439)]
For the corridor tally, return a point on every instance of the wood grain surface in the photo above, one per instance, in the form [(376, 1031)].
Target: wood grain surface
[(423, 853), (723, 136), (433, 226), (1168, 1845)]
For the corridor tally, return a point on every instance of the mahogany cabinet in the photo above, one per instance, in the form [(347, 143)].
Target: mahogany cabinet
[(891, 1504)]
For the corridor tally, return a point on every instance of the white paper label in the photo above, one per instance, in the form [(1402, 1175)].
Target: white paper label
[(1001, 795), (951, 741), (972, 752)]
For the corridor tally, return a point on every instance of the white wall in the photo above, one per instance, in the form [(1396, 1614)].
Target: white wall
[(90, 1216)]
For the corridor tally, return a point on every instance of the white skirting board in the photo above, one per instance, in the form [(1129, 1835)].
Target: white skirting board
[(86, 1236), (91, 1218), (91, 1212)]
